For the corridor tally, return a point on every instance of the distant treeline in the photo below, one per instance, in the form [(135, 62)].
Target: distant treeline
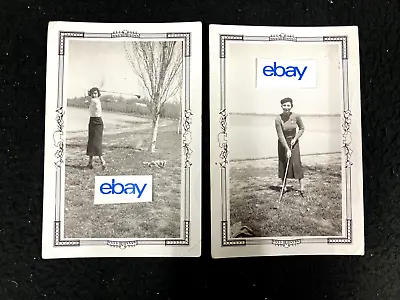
[(133, 106)]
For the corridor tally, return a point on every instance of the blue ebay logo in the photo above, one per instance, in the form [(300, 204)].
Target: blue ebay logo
[(117, 188), (123, 189), (281, 71)]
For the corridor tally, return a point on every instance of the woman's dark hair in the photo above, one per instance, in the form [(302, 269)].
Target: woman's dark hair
[(94, 89), (284, 100)]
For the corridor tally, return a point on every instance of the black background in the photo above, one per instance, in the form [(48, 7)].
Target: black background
[(24, 275)]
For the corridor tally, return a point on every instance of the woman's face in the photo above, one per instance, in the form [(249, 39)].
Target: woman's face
[(95, 94), (286, 107)]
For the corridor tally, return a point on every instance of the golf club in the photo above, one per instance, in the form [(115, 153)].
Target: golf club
[(284, 178)]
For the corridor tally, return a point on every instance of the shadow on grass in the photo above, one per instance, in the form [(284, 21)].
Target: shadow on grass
[(275, 188), (278, 188), (78, 167), (115, 147)]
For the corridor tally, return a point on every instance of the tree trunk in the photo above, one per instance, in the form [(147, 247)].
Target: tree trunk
[(179, 123), (179, 131), (155, 132)]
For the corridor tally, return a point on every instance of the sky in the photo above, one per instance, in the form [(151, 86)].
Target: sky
[(99, 63), (245, 97)]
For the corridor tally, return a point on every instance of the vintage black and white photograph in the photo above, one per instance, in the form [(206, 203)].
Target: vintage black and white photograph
[(286, 145), (127, 122), (126, 111)]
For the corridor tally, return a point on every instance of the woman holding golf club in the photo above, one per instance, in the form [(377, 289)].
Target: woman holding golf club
[(95, 139), (286, 125)]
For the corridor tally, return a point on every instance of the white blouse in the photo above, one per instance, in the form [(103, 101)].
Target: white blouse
[(95, 107)]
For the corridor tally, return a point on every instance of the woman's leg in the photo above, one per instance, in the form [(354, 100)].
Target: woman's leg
[(298, 172), (103, 162), (301, 185), (90, 164)]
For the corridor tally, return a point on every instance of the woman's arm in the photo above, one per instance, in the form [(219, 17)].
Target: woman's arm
[(279, 131), (301, 128)]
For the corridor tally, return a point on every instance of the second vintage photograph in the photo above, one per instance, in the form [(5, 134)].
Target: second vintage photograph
[(285, 167), (286, 162)]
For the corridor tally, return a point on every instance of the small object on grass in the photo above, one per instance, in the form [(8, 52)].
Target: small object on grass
[(156, 163), (244, 231)]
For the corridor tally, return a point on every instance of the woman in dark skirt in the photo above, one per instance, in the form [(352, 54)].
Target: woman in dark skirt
[(95, 140), (286, 125)]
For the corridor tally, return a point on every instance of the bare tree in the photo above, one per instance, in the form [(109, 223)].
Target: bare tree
[(179, 129), (179, 100), (159, 67)]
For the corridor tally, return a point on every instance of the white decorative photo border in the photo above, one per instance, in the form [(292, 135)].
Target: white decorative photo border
[(352, 241), (189, 244)]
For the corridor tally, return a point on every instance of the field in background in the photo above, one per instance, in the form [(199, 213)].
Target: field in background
[(254, 194), (77, 120), (254, 137), (131, 106)]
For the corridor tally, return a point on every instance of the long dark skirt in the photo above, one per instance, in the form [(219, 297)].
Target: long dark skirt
[(95, 140), (295, 169)]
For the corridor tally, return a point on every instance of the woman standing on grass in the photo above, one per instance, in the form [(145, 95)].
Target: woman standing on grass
[(96, 126), (288, 143)]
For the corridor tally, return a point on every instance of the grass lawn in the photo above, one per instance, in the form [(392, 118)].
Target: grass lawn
[(158, 219), (254, 195)]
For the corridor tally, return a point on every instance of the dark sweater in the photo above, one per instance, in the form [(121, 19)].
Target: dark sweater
[(286, 127)]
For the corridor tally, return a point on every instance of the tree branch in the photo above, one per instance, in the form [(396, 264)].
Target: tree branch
[(159, 67)]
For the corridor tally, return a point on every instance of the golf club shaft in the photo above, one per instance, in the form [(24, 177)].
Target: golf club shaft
[(284, 178)]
